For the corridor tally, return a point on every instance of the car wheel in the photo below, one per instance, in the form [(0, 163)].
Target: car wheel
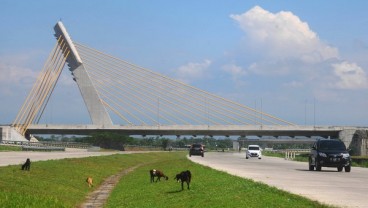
[(246, 157), (311, 167), (202, 155), (339, 169), (318, 166), (259, 158), (190, 155), (347, 168)]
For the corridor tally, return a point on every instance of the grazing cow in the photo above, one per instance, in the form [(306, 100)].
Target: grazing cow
[(156, 173), (27, 165), (89, 180), (182, 177)]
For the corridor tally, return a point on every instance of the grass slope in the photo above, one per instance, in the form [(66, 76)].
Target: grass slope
[(209, 188), (61, 183)]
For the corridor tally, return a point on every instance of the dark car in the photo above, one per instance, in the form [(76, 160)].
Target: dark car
[(196, 149), (329, 153)]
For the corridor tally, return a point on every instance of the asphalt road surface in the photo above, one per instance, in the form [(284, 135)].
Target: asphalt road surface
[(19, 157), (327, 186)]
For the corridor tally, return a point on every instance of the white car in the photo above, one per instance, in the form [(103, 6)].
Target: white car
[(253, 151)]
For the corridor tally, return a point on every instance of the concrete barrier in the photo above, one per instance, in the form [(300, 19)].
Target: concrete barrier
[(42, 148), (290, 154)]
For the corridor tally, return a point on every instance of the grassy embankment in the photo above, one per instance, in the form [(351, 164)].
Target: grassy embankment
[(61, 183)]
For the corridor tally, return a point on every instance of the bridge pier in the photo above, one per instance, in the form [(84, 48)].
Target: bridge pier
[(356, 140), (8, 133), (346, 136)]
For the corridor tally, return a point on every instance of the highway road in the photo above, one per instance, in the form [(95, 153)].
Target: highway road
[(15, 158), (327, 186)]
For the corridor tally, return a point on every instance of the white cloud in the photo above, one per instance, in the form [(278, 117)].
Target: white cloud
[(350, 76), (193, 71), (234, 70), (283, 35), (283, 45), (15, 75)]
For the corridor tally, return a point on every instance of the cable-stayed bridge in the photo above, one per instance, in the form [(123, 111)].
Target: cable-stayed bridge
[(123, 97)]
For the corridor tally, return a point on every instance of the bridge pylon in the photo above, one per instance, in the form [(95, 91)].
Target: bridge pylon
[(36, 101), (95, 107)]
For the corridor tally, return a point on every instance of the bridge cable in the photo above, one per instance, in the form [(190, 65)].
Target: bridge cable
[(140, 83), (114, 74), (165, 77)]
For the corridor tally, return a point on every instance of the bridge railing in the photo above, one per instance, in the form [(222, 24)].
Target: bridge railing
[(42, 148), (50, 144)]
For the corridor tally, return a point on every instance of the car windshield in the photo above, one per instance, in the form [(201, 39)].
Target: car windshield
[(196, 146), (253, 148), (332, 145)]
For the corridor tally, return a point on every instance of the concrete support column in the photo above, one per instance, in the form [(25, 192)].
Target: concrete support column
[(96, 109), (346, 136)]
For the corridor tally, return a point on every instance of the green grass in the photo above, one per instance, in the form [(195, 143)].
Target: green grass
[(273, 154), (10, 148), (209, 188), (360, 161), (61, 183)]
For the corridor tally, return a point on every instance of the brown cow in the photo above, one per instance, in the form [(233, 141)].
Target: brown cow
[(156, 173)]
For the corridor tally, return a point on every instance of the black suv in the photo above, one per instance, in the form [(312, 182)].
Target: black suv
[(196, 149), (329, 153)]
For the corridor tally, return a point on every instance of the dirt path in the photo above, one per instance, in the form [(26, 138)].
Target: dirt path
[(99, 197)]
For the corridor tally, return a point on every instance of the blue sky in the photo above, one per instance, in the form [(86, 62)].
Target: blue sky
[(305, 61)]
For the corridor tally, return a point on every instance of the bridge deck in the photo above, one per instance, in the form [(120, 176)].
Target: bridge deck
[(213, 130)]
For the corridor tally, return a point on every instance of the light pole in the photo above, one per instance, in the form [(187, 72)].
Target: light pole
[(305, 112), (314, 112), (158, 111)]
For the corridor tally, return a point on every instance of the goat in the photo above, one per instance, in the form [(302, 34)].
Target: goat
[(27, 165), (156, 173), (182, 177), (89, 180)]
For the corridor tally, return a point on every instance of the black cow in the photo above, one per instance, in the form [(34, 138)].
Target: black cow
[(27, 165), (182, 177)]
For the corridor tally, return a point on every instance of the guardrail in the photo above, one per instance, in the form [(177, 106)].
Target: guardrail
[(44, 148), (50, 144)]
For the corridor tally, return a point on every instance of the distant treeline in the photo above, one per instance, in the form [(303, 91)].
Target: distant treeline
[(117, 141)]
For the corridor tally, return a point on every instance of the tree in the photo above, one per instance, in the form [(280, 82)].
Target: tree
[(164, 143), (110, 140)]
